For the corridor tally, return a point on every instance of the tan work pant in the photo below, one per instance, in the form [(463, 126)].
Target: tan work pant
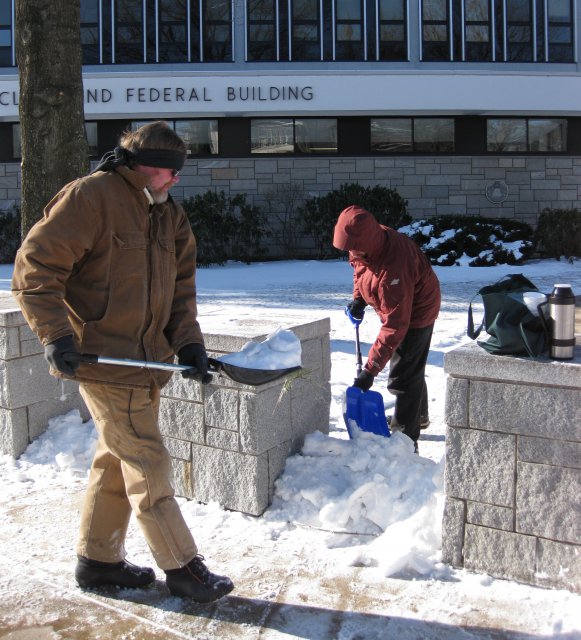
[(130, 471)]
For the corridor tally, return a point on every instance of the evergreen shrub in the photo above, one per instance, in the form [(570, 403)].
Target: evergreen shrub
[(559, 233)]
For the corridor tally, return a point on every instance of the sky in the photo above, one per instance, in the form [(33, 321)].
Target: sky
[(362, 502)]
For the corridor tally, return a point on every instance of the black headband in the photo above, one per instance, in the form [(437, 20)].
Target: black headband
[(162, 158)]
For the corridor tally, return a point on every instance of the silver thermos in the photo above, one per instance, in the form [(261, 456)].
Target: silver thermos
[(562, 322)]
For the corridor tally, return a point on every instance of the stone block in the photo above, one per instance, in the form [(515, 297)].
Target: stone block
[(549, 451), (453, 532), (515, 408), (13, 432), (456, 405), (222, 439), (182, 420), (24, 378), (559, 565), (181, 478), (236, 481), (183, 389), (180, 449), (489, 515), (547, 502), (9, 343), (39, 413), (265, 419), (500, 553), (221, 408), (310, 405), (480, 466)]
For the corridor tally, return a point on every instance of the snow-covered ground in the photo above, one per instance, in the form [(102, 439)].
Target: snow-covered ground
[(342, 504)]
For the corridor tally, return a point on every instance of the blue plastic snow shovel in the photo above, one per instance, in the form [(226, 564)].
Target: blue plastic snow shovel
[(363, 408)]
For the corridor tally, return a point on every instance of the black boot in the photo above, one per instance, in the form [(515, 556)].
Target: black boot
[(195, 581), (92, 573)]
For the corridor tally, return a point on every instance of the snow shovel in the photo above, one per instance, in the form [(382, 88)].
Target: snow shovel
[(363, 408), (243, 375)]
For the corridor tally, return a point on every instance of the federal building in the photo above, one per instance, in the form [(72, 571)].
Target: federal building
[(463, 106)]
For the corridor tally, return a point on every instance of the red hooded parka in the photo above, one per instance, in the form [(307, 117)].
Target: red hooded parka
[(394, 277)]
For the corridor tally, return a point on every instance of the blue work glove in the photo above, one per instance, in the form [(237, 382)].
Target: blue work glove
[(356, 310), (56, 354), (364, 380), (194, 355)]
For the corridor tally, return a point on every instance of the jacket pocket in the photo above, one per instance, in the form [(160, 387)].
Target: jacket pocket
[(128, 256)]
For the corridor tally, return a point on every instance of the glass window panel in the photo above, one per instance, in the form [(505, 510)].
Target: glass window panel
[(519, 34), (92, 138), (348, 32), (391, 135), (435, 9), (559, 10), (89, 11), (477, 33), (16, 148), (271, 136), (218, 33), (503, 135), (518, 10), (5, 38), (129, 10), (348, 10), (217, 10), (306, 10), (392, 33), (560, 35), (435, 33), (391, 10), (476, 10), (305, 32), (434, 135), (5, 13), (547, 135), (317, 135), (200, 136), (261, 32)]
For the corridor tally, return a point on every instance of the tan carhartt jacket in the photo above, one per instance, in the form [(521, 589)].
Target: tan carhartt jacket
[(116, 272)]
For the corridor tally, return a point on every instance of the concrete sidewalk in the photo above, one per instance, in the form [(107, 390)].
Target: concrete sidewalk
[(39, 599)]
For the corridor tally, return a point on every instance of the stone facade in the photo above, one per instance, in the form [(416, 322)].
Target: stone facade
[(513, 467), (433, 185), (228, 441)]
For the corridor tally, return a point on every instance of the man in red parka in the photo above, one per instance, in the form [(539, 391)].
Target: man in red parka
[(391, 273)]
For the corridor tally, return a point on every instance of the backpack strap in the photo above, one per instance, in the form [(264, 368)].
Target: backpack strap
[(470, 331)]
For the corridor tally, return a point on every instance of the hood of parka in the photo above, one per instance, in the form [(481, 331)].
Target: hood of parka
[(358, 230)]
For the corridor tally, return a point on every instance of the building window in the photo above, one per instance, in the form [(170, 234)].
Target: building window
[(521, 135), (435, 30), (172, 31), (391, 31), (289, 135), (497, 30), (349, 29), (90, 132), (262, 30), (306, 21), (200, 136), (6, 34), (217, 30), (405, 135), (129, 32), (90, 40)]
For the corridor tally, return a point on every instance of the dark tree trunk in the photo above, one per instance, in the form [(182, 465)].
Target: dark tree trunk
[(49, 58)]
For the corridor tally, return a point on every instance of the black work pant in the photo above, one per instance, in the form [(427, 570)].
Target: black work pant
[(407, 381)]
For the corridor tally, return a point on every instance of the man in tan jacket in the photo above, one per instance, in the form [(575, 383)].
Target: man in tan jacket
[(110, 269)]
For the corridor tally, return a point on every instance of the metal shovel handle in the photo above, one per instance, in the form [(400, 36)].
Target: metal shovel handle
[(358, 350), (91, 358)]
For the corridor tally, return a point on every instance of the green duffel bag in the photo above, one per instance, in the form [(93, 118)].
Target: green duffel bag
[(513, 330)]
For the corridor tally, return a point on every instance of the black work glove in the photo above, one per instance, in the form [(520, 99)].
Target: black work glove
[(194, 355), (357, 308), (364, 380), (56, 354)]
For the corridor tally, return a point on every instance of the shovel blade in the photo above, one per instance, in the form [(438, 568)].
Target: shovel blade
[(365, 409)]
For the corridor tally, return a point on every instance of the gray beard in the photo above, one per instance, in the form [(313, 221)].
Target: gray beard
[(159, 197)]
